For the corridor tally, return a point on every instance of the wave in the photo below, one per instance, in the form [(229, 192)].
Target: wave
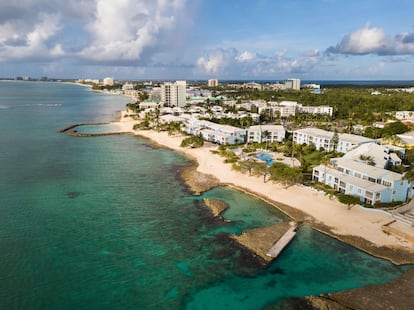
[(3, 107)]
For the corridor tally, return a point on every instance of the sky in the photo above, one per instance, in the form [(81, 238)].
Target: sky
[(202, 39)]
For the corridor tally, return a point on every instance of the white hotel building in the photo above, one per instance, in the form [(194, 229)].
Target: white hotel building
[(323, 139), (174, 94), (216, 133), (276, 133), (371, 184)]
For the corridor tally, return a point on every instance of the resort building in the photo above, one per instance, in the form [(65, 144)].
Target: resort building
[(291, 108), (127, 86), (292, 84), (149, 105), (282, 109), (108, 81), (212, 83), (212, 132), (381, 156), (371, 184), (404, 115), (174, 94), (322, 109), (348, 141), (265, 133), (324, 139)]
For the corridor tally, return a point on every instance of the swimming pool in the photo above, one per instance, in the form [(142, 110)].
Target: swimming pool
[(266, 157)]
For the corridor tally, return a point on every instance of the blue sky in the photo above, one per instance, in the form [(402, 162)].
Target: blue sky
[(200, 39)]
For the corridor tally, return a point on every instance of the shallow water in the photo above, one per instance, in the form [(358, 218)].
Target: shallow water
[(105, 222)]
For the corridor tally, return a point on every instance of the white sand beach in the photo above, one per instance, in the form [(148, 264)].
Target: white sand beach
[(353, 222)]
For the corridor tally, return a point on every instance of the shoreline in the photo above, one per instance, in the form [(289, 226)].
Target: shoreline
[(358, 227)]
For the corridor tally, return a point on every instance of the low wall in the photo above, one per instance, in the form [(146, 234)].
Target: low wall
[(375, 210), (390, 230)]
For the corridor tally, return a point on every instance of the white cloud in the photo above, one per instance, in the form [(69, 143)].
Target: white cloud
[(246, 56), (215, 61), (372, 40), (123, 31), (231, 63), (20, 42)]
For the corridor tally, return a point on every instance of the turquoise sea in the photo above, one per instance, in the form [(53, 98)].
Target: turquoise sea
[(106, 223)]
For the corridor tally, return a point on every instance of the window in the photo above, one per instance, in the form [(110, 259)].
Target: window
[(386, 183)]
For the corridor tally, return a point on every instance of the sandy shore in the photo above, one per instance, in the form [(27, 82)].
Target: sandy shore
[(327, 215)]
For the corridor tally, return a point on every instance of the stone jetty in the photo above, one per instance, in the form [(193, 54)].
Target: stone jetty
[(217, 207), (264, 239)]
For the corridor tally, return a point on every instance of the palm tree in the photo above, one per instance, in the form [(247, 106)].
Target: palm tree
[(266, 134), (247, 165), (261, 168)]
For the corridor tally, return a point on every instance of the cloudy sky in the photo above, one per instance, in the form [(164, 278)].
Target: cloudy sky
[(199, 39)]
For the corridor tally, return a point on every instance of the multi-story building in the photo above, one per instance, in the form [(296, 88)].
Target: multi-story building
[(174, 94), (381, 156), (371, 184), (292, 84), (322, 109), (283, 108), (128, 86), (108, 81), (212, 83), (265, 133), (404, 115), (324, 139), (212, 132)]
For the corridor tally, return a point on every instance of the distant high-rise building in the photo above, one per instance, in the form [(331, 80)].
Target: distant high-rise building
[(174, 94), (292, 84), (212, 83), (108, 81)]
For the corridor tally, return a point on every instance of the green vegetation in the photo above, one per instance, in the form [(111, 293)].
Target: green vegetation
[(389, 130), (352, 102), (285, 175), (193, 141), (348, 200)]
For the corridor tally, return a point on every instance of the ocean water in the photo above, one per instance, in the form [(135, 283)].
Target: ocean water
[(106, 223)]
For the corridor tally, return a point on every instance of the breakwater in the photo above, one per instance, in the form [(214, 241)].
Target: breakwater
[(75, 133), (64, 129)]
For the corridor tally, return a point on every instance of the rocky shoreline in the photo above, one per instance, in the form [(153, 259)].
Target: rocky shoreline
[(216, 207), (397, 295), (199, 182), (370, 297)]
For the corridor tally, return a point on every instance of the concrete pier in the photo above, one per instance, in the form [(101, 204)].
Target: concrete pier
[(278, 247), (267, 242)]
